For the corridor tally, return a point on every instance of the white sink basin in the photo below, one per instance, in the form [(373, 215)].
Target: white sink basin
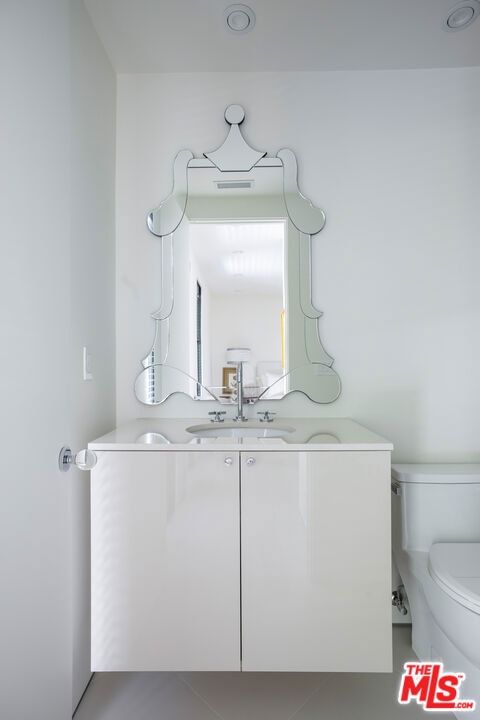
[(240, 430)]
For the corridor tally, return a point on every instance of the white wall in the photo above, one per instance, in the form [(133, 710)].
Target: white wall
[(393, 158), (92, 288), (52, 183)]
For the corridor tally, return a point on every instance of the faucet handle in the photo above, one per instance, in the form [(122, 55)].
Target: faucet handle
[(216, 415), (266, 415)]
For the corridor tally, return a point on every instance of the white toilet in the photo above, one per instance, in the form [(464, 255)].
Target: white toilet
[(436, 548)]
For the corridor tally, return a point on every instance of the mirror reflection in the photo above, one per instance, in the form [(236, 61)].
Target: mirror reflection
[(236, 278)]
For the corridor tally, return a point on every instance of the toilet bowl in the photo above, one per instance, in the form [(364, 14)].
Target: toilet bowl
[(436, 548), (454, 597)]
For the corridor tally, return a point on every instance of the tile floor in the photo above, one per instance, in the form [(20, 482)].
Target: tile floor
[(254, 696)]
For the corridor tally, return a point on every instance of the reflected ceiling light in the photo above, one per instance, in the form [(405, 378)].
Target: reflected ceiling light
[(255, 264), (239, 18), (462, 15)]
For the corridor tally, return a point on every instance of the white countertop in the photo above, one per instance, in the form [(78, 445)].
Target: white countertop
[(165, 434)]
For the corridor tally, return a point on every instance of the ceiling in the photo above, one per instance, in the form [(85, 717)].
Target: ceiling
[(154, 36)]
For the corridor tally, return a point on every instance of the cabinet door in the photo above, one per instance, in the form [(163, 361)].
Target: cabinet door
[(165, 561), (316, 592)]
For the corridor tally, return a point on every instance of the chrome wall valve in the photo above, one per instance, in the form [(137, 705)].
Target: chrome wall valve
[(83, 460)]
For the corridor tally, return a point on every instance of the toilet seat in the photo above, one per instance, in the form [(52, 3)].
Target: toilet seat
[(455, 568)]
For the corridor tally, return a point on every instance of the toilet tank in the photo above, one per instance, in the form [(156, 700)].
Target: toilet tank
[(435, 503)]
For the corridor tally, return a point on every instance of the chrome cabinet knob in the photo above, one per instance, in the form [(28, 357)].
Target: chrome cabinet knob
[(250, 461), (228, 461)]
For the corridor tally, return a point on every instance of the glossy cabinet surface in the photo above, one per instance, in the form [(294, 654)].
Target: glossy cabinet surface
[(257, 560), (165, 562), (316, 562)]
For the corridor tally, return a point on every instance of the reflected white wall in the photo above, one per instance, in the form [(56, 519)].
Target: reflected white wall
[(252, 322)]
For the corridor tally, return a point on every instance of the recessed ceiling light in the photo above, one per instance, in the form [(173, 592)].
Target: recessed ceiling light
[(239, 18), (462, 15)]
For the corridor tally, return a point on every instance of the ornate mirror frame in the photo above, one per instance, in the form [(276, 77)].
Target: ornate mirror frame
[(310, 366)]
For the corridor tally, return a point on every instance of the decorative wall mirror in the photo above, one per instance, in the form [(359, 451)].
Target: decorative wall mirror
[(236, 273)]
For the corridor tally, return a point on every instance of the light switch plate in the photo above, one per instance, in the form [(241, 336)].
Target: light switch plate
[(87, 365)]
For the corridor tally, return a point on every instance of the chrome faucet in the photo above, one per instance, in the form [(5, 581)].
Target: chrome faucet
[(240, 416)]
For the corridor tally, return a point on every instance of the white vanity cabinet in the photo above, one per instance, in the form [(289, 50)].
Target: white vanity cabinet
[(316, 581), (165, 561), (226, 560)]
